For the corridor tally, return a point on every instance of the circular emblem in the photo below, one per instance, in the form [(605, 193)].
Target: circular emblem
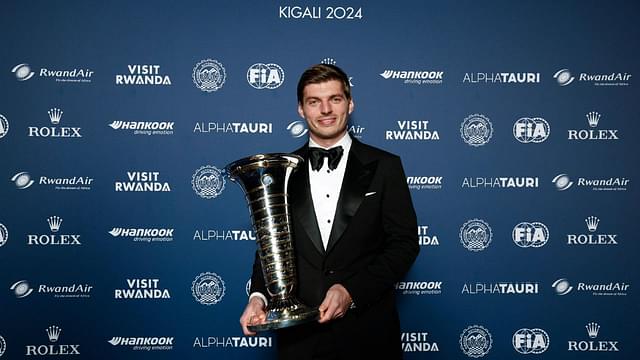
[(297, 129), (527, 234), (476, 130), (475, 235), (530, 341), (266, 180), (209, 75), (475, 341), (265, 76), (531, 130), (22, 180), (562, 182), (23, 72), (208, 182), (4, 126), (562, 286), (4, 235), (563, 77), (3, 346), (208, 288), (21, 289)]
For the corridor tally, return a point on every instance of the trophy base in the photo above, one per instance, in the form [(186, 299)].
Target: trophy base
[(286, 317)]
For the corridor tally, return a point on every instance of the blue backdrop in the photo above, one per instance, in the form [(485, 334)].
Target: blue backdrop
[(515, 122)]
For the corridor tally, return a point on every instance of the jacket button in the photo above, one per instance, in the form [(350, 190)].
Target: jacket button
[(329, 272)]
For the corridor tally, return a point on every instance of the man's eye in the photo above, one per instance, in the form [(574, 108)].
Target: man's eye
[(312, 102), (336, 100)]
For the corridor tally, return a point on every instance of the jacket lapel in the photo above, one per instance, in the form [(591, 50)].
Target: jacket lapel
[(302, 203), (357, 178)]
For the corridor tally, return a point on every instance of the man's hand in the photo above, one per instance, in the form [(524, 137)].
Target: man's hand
[(335, 304), (253, 315)]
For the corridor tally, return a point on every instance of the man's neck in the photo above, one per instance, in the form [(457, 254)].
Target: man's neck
[(327, 143)]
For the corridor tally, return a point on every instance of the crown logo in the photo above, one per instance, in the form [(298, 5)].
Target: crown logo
[(54, 223), (593, 118), (592, 329), (55, 115), (592, 223), (328, 61), (54, 333)]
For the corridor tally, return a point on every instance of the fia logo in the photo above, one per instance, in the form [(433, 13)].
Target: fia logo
[(265, 76), (530, 341), (4, 234), (533, 234), (531, 130), (4, 126)]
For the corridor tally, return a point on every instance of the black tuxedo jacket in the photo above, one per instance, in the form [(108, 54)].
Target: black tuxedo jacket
[(373, 243)]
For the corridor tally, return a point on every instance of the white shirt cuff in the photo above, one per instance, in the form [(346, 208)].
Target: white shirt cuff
[(261, 296)]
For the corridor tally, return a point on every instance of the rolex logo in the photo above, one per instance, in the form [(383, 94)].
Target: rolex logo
[(592, 223), (593, 118), (328, 61), (55, 115), (592, 329), (54, 333), (54, 223)]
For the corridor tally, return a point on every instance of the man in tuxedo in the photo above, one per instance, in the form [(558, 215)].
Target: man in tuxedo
[(354, 232)]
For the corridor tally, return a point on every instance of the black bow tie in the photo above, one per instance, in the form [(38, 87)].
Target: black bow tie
[(317, 155)]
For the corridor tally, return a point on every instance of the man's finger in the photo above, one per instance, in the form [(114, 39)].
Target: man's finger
[(329, 313)]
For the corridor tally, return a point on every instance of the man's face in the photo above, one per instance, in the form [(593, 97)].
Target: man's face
[(326, 109)]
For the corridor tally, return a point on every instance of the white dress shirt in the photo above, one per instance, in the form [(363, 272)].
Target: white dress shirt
[(325, 187)]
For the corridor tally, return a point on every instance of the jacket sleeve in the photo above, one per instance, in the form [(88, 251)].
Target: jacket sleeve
[(400, 247), (257, 280)]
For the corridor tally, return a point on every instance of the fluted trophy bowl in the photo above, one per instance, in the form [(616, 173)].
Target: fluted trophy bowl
[(264, 179)]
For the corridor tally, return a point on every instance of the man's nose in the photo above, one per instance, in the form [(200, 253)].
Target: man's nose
[(325, 108)]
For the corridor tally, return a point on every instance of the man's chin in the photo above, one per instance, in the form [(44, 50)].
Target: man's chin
[(328, 137)]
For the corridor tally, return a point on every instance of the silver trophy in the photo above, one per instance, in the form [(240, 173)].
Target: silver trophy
[(264, 179)]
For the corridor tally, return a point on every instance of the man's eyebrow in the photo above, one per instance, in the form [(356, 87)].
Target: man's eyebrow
[(328, 97), (332, 96)]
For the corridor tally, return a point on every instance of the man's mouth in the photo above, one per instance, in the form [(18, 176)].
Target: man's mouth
[(327, 121)]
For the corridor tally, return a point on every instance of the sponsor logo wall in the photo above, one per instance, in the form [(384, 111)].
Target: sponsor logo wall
[(121, 234)]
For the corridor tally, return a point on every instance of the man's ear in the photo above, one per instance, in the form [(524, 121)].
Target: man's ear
[(300, 111), (351, 105)]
